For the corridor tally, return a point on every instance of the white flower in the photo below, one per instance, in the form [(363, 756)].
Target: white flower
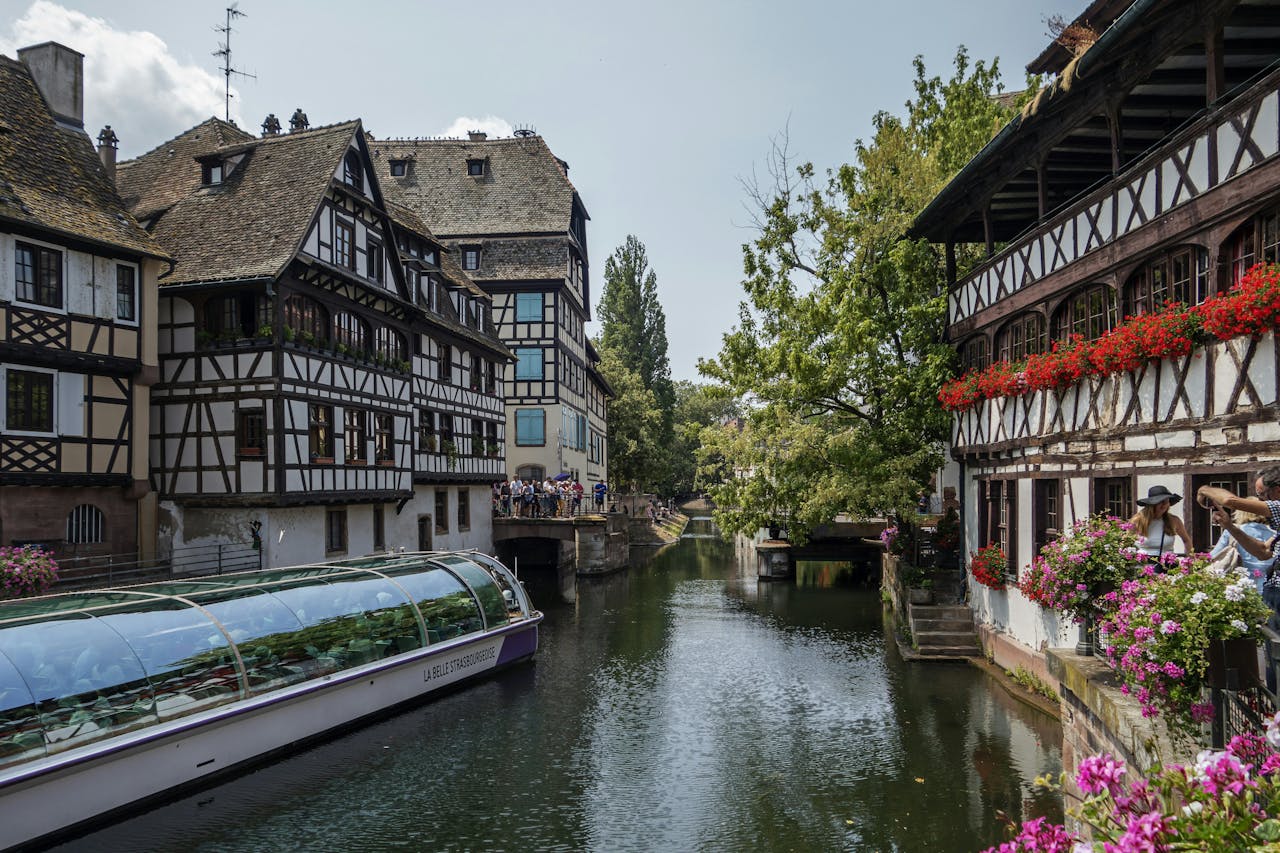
[(1273, 731), (1233, 593), (1168, 627), (1192, 809), (1198, 598), (1239, 626)]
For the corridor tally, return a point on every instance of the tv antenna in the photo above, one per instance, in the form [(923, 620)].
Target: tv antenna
[(224, 52)]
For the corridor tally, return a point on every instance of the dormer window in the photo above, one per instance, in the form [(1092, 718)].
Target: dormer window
[(471, 257), (399, 168), (477, 167), (352, 173), (211, 174)]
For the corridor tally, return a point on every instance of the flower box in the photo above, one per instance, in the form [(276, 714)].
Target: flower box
[(321, 460)]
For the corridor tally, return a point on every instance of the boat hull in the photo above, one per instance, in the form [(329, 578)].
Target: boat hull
[(56, 794)]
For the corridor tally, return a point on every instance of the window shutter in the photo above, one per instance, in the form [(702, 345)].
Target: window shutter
[(70, 412)]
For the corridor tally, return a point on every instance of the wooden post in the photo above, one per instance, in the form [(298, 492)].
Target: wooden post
[(1117, 137), (1215, 82), (988, 230), (1042, 185), (951, 260)]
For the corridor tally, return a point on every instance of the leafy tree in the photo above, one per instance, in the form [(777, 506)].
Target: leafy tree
[(839, 344), (635, 453), (634, 329), (698, 406)]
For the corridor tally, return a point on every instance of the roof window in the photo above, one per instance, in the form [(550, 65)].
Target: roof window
[(211, 173), (399, 168), (477, 167)]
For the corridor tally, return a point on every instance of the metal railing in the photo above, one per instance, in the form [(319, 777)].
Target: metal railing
[(109, 569), (1240, 710)]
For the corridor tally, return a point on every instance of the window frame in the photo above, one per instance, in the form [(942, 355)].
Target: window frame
[(94, 520), (379, 528), (464, 509), (350, 330), (355, 436), (1091, 326), (541, 422), (384, 442), (523, 304), (344, 249), (38, 252), (335, 530), (320, 433), (28, 404), (471, 258), (444, 363), (251, 422), (1112, 493), (520, 353), (304, 314), (134, 294), (442, 512), (353, 171)]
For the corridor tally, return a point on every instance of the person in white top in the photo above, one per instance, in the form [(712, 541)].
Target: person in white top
[(1158, 529)]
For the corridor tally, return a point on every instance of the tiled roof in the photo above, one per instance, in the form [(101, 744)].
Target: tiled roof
[(51, 177), (525, 188), (166, 174), (406, 218), (250, 225)]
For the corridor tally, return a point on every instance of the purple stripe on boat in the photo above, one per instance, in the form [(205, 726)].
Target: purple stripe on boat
[(516, 646)]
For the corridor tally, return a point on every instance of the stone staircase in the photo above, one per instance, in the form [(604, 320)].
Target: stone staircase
[(943, 631)]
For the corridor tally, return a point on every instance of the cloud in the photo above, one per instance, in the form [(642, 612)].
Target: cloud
[(491, 125), (132, 82)]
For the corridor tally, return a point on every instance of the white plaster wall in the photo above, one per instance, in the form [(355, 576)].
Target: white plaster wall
[(402, 528)]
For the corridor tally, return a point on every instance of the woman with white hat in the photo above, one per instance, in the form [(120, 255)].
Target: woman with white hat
[(1157, 528)]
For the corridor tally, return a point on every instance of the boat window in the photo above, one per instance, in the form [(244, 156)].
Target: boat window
[(267, 635), (506, 580), (21, 736), (185, 655), (86, 681), (485, 587), (447, 606)]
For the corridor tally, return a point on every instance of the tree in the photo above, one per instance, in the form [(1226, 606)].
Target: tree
[(697, 407), (839, 345), (634, 424), (634, 330)]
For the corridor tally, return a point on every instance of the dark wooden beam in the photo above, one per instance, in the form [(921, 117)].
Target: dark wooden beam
[(1215, 79)]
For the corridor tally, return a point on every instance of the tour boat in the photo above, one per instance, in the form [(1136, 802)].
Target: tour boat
[(109, 697)]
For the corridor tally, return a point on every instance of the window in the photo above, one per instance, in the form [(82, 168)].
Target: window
[(477, 373), (491, 440), (350, 331), (251, 432), (1200, 524), (596, 453), (352, 171), (446, 363), (471, 258), (998, 514), (424, 533), (490, 377), (477, 437), (1113, 496), (307, 320), (373, 261), (384, 448), (353, 435), (320, 432), (211, 174), (1180, 276), (236, 315), (1257, 241), (464, 509), (531, 427), (335, 530), (528, 362), (1023, 336), (446, 430), (399, 168), (126, 293), (38, 275), (528, 307), (84, 525), (344, 245), (379, 529), (390, 345), (476, 167), (426, 431), (442, 511), (1090, 313), (531, 472), (973, 355), (1046, 511), (29, 401)]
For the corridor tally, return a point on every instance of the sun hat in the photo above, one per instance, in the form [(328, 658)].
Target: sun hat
[(1159, 494)]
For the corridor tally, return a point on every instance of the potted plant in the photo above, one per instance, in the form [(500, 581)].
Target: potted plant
[(988, 566), (450, 450), (289, 333), (1073, 573), (265, 330), (918, 584), (1170, 629)]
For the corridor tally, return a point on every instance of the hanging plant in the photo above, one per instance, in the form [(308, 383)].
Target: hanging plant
[(988, 566)]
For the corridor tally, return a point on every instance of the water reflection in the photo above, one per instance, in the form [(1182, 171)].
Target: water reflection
[(677, 706)]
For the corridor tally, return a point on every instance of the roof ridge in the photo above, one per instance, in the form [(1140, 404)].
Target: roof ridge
[(349, 124), (211, 120)]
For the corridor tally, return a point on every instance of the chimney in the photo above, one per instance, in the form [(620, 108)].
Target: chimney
[(59, 72), (107, 143), (271, 125), (298, 121), (477, 135)]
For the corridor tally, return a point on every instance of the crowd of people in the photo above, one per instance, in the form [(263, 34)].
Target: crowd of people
[(554, 497)]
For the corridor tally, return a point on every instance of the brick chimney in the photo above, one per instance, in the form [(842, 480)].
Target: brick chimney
[(477, 135), (59, 72), (107, 143)]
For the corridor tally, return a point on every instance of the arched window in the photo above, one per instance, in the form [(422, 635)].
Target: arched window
[(531, 472), (1178, 276), (974, 354), (236, 315), (1255, 242), (352, 172), (390, 344), (1022, 336), (350, 331), (84, 525), (306, 318), (1090, 312)]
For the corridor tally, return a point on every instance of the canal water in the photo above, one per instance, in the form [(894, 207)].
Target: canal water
[(679, 705)]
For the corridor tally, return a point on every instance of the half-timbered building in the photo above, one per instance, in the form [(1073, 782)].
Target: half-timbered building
[(1145, 172), (77, 324), (508, 212), (311, 392)]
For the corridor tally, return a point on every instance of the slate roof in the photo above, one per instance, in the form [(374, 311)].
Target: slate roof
[(250, 225), (52, 178), (159, 179), (525, 190)]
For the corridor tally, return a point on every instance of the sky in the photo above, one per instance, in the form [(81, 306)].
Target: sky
[(661, 109)]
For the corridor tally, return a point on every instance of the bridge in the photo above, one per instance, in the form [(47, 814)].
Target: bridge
[(583, 545)]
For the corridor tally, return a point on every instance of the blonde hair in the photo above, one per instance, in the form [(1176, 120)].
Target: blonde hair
[(1142, 519), (1242, 517)]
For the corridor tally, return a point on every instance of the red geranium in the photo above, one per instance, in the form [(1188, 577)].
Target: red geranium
[(988, 566)]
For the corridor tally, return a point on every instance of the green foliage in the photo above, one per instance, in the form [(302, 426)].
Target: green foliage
[(839, 346), (1031, 682), (697, 407), (634, 426)]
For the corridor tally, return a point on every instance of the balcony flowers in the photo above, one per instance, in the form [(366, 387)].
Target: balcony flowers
[(26, 570), (1085, 566), (1160, 632), (988, 566), (1251, 307), (1227, 800)]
